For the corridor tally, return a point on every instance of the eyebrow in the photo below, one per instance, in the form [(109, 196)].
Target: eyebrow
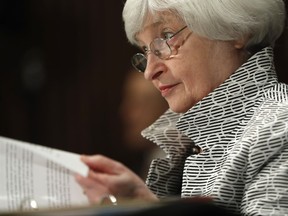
[(154, 25)]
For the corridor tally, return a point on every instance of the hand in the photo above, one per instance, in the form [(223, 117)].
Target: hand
[(107, 176)]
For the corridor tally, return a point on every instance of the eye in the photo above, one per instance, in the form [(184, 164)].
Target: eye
[(144, 49), (167, 35)]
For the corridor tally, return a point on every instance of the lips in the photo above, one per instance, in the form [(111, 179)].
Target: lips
[(166, 89)]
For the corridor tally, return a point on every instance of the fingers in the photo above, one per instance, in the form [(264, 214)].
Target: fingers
[(91, 188), (98, 181), (107, 176), (93, 179), (100, 163)]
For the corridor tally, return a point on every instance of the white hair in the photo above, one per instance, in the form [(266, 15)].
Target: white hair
[(262, 20)]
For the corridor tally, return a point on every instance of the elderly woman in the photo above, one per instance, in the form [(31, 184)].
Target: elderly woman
[(226, 131)]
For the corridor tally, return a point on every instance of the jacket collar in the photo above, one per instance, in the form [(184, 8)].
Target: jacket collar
[(222, 109)]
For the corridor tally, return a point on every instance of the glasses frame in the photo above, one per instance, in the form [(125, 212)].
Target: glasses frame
[(139, 60)]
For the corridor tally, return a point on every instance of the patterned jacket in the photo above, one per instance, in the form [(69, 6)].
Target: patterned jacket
[(232, 146)]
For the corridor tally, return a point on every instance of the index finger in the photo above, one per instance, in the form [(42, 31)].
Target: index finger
[(101, 163)]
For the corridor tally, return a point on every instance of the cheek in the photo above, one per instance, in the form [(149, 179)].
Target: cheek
[(194, 73), (197, 83)]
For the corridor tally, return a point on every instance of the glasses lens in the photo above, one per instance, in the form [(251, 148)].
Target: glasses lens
[(160, 48), (139, 62)]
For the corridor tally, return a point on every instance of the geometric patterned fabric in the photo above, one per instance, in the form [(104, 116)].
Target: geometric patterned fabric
[(241, 129)]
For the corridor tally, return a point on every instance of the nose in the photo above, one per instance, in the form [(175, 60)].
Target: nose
[(154, 68)]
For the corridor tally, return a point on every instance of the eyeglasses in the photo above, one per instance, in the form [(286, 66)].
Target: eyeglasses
[(159, 46)]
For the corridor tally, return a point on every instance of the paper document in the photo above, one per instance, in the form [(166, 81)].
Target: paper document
[(37, 175)]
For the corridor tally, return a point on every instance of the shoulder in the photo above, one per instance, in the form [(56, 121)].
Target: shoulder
[(273, 106), (269, 119), (277, 93)]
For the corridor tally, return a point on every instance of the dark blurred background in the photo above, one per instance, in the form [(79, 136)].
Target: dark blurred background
[(62, 68)]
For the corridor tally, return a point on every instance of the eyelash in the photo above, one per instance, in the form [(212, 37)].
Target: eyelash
[(165, 35)]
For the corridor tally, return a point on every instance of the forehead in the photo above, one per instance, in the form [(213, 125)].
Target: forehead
[(157, 21), (162, 17)]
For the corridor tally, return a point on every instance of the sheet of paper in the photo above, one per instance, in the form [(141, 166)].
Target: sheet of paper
[(31, 172)]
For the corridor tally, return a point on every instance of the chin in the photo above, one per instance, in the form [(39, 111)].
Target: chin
[(179, 106), (178, 109)]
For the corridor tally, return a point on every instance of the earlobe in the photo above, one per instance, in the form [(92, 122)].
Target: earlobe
[(241, 43)]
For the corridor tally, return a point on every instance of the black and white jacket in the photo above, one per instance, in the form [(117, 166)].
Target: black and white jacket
[(231, 146)]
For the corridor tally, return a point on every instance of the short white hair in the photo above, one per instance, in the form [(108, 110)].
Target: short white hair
[(262, 20)]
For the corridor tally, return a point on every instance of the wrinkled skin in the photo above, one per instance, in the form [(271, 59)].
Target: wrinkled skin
[(107, 176), (196, 67)]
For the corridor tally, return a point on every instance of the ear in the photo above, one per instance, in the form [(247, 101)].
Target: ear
[(241, 43)]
